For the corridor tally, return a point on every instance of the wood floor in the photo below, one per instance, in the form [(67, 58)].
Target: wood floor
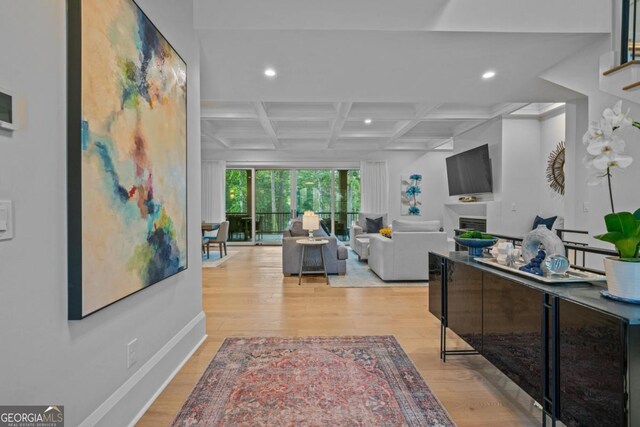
[(248, 296)]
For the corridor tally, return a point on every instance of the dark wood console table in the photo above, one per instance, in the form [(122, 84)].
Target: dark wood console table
[(573, 351)]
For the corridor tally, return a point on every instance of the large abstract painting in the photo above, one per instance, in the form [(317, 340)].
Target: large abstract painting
[(127, 169), (411, 194)]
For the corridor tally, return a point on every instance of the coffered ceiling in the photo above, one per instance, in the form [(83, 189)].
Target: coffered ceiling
[(340, 125), (376, 75)]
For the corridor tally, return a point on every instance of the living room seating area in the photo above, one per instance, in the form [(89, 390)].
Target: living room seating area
[(336, 253), (401, 257), (360, 232)]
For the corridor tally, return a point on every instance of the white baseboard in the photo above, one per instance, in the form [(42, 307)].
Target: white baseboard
[(165, 384), (110, 406)]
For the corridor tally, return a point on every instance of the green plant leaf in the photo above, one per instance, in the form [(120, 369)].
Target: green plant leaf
[(611, 237), (628, 247), (623, 222), (624, 232)]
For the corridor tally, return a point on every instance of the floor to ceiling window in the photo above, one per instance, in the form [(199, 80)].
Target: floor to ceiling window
[(239, 204), (313, 193), (273, 204), (347, 201), (260, 202)]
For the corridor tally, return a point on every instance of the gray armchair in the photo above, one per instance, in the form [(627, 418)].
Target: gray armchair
[(335, 254), (359, 230)]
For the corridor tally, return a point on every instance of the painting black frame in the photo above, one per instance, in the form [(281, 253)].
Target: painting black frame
[(74, 161)]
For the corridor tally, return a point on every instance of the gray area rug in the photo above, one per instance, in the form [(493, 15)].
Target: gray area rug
[(359, 275)]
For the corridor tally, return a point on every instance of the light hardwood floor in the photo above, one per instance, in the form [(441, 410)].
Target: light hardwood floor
[(248, 296)]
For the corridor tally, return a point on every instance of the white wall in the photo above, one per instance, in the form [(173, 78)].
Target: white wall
[(521, 175), (580, 73), (46, 359), (518, 149), (435, 189), (552, 131)]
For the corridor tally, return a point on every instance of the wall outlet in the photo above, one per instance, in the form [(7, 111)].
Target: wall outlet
[(585, 207), (132, 353), (513, 207)]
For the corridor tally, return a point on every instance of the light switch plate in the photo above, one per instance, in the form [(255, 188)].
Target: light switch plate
[(6, 219)]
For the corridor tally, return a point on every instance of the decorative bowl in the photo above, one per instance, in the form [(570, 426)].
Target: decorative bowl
[(475, 246)]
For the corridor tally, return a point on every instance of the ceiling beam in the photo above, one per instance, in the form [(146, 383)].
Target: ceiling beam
[(422, 110), (506, 109), (222, 141), (435, 144), (209, 133), (226, 115), (266, 124), (343, 112)]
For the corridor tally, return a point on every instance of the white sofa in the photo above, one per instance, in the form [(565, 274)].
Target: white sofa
[(405, 255), (359, 230)]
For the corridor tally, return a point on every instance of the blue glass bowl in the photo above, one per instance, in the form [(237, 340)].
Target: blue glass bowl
[(475, 246)]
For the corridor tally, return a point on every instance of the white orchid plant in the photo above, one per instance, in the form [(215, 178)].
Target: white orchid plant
[(605, 151), (605, 148)]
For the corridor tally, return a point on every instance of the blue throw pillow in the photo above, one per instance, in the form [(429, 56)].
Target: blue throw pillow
[(544, 221), (374, 225)]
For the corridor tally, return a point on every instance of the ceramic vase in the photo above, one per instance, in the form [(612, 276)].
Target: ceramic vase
[(623, 278)]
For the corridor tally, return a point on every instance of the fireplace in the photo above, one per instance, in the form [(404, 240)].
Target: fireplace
[(479, 224), (468, 223)]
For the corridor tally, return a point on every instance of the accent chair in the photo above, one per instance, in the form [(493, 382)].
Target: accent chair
[(220, 238), (404, 256), (359, 230)]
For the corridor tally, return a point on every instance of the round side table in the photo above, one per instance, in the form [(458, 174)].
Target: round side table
[(303, 255)]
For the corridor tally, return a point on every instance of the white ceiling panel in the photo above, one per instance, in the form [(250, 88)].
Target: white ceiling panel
[(227, 110), (384, 110), (319, 15), (376, 126), (300, 110), (439, 128), (241, 126), (293, 127)]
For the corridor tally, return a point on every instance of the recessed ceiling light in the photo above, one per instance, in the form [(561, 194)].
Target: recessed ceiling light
[(270, 72), (367, 121), (489, 74)]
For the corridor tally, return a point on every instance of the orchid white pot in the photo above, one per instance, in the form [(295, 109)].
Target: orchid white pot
[(623, 278)]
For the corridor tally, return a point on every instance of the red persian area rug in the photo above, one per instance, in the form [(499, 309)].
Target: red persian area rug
[(314, 381)]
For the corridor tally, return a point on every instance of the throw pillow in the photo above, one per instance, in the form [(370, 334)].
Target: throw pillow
[(548, 222), (323, 227), (374, 225), (295, 228)]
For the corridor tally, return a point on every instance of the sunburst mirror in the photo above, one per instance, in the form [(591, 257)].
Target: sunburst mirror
[(555, 169)]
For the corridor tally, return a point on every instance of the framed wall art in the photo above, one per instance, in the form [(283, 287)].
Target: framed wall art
[(411, 194), (126, 154)]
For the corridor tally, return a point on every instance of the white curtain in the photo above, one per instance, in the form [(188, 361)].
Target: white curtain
[(213, 190), (374, 187)]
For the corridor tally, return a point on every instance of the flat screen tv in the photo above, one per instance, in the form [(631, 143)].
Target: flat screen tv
[(470, 172)]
